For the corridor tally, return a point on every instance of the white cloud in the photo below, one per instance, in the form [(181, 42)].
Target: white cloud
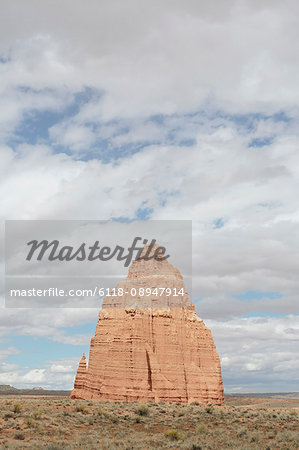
[(74, 137), (251, 189), (37, 377), (258, 354), (156, 59), (47, 323), (61, 368), (55, 374)]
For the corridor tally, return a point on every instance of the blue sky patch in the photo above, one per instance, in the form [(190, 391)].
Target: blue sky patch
[(34, 128), (260, 142), (87, 328), (144, 213), (258, 295), (34, 349), (263, 314), (218, 223)]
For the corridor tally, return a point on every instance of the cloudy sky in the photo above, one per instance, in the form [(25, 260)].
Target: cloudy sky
[(159, 110)]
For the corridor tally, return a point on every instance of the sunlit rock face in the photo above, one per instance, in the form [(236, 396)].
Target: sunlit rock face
[(150, 347)]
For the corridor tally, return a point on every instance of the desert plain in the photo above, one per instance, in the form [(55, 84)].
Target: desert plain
[(57, 422)]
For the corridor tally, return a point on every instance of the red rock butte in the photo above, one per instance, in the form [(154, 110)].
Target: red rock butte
[(150, 347)]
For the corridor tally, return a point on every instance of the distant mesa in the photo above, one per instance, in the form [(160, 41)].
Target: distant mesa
[(150, 347), (7, 388)]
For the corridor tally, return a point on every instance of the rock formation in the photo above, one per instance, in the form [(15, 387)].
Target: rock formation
[(150, 347)]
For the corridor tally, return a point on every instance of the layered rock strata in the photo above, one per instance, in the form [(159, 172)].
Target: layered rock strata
[(150, 348)]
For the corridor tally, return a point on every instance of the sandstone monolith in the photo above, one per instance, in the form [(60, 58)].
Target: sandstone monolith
[(150, 347)]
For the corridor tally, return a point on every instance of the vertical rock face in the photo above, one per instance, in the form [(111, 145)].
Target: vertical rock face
[(150, 347)]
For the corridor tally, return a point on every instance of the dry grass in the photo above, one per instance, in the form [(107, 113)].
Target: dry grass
[(59, 423)]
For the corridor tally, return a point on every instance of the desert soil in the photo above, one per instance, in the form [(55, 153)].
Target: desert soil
[(60, 423)]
